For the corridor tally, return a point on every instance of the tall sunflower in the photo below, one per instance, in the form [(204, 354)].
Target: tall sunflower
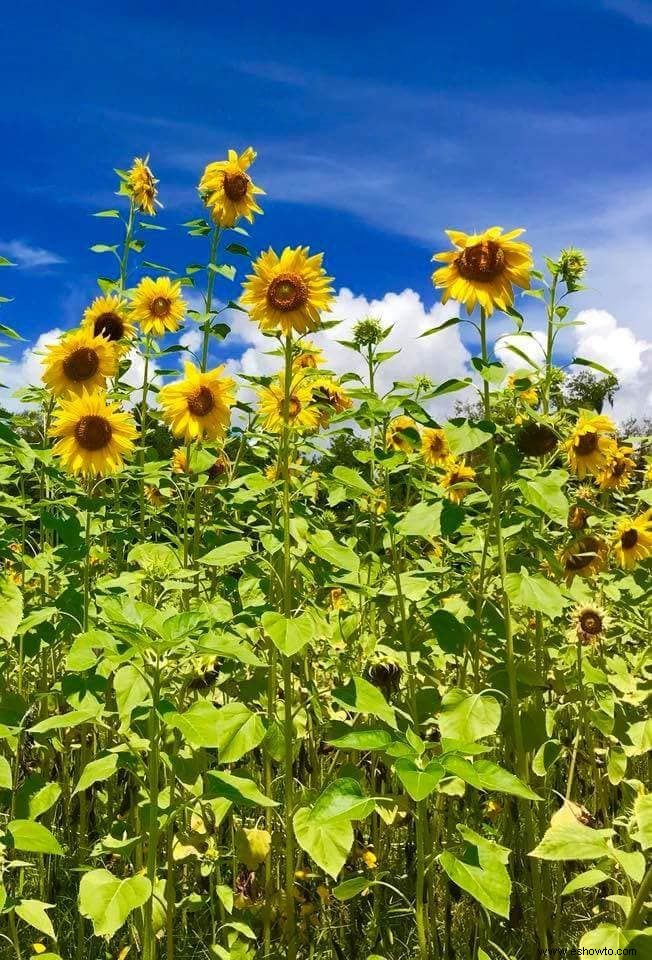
[(288, 292), (228, 191), (93, 436), (302, 413), (198, 407), (330, 398), (158, 306), (397, 437), (108, 317), (633, 539), (79, 361), (434, 446), (618, 471), (591, 445), (457, 480), (483, 268), (142, 186)]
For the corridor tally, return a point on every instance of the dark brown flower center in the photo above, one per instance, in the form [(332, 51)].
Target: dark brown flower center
[(294, 407), (483, 261), (160, 307), (584, 555), (590, 622), (436, 444), (110, 326), (618, 468), (81, 365), (201, 402), (629, 539), (586, 444), (235, 186), (218, 469), (287, 292), (536, 440), (93, 432)]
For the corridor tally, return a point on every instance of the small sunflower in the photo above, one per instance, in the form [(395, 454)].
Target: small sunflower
[(228, 191), (154, 496), (93, 436), (585, 557), (457, 479), (179, 461), (525, 394), (329, 397), (309, 357), (288, 292), (590, 446), (198, 407), (142, 187), (577, 517), (589, 621), (396, 437), (79, 361), (618, 471), (483, 268), (633, 539), (107, 317), (337, 599), (434, 446), (302, 414), (158, 305)]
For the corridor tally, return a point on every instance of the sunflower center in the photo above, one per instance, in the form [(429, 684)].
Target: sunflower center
[(591, 622), (629, 539), (235, 186), (618, 468), (482, 262), (160, 307), (436, 444), (110, 326), (201, 402), (585, 555), (81, 365), (93, 432), (294, 407), (586, 444), (287, 292)]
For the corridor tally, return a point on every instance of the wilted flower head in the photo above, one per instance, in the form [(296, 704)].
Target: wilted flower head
[(367, 332), (142, 186), (571, 266)]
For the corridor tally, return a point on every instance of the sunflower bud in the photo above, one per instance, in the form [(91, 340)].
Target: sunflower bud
[(571, 266), (367, 332)]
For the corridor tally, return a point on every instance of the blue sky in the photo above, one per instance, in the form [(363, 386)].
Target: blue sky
[(377, 126)]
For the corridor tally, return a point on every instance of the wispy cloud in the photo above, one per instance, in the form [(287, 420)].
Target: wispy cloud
[(639, 11), (27, 256)]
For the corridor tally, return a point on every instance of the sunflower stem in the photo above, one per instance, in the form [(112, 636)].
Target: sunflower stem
[(143, 433)]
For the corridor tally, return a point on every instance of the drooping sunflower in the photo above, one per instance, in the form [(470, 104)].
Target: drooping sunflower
[(93, 436), (457, 480), (108, 317), (536, 439), (577, 517), (288, 292), (158, 306), (330, 398), (79, 361), (483, 268), (591, 445), (228, 191), (584, 557), (434, 446), (618, 471), (179, 461), (633, 539), (198, 407), (142, 186), (396, 437), (309, 357), (302, 414)]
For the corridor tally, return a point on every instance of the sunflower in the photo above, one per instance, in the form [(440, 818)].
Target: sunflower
[(179, 461), (577, 517), (158, 305), (633, 539), (434, 446), (589, 447), (309, 357), (302, 414), (483, 267), (395, 436), (457, 479), (228, 191), (288, 292), (154, 496), (107, 317), (337, 599), (198, 407), (584, 557), (93, 436), (589, 621), (617, 473), (536, 439), (142, 187), (329, 397), (79, 361)]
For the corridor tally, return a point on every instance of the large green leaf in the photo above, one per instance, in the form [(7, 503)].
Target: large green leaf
[(324, 830), (608, 937), (419, 783), (590, 878), (239, 790), (360, 696), (323, 544), (483, 872), (34, 913), (568, 840), (97, 771), (36, 796), (131, 691), (5, 774), (107, 901), (535, 593), (197, 725), (547, 494), (643, 818), (493, 777), (465, 436), (467, 717), (11, 608), (239, 730), (32, 837), (288, 634), (228, 554)]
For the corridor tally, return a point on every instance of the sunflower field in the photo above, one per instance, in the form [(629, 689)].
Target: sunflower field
[(291, 669)]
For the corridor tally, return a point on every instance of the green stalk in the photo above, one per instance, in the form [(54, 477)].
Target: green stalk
[(641, 899), (143, 434), (149, 940)]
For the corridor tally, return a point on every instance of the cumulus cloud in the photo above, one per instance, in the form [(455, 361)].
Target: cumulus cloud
[(26, 256), (26, 371), (532, 344)]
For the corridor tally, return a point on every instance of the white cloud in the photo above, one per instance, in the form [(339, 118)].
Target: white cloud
[(192, 339), (27, 256), (639, 11), (532, 344), (26, 371)]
